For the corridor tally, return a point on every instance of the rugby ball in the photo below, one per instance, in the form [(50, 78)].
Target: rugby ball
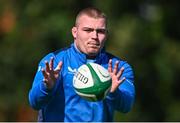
[(92, 82)]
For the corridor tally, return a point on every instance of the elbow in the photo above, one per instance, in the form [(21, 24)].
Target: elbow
[(126, 109), (33, 103), (128, 104)]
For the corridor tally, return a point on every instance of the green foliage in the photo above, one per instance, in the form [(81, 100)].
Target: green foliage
[(146, 34)]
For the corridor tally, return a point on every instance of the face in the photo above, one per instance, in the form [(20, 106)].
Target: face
[(90, 35)]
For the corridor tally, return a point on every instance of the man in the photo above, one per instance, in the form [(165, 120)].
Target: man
[(52, 91)]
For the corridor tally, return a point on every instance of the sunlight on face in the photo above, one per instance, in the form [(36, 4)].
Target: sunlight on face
[(90, 34)]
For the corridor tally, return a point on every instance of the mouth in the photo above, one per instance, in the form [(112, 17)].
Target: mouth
[(94, 44)]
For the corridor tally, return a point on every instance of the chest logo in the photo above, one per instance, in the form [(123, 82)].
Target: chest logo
[(71, 71)]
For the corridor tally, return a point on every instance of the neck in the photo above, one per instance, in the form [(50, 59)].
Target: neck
[(87, 56), (90, 57)]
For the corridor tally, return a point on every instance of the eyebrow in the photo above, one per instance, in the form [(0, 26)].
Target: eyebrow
[(93, 28), (98, 29)]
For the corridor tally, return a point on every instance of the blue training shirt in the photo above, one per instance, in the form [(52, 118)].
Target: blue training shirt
[(63, 104)]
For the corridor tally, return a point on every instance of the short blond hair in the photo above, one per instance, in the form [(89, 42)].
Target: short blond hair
[(91, 12)]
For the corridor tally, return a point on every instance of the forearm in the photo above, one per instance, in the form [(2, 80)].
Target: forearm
[(39, 95), (123, 97), (126, 97)]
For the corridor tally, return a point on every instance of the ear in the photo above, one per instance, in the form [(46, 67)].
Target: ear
[(74, 32)]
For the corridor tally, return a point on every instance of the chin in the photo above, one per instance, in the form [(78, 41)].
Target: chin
[(93, 53)]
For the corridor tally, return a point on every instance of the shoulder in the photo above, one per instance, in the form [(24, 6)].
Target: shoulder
[(113, 57), (128, 68), (58, 55), (123, 62), (60, 52)]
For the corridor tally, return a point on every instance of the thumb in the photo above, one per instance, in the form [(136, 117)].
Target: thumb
[(59, 66)]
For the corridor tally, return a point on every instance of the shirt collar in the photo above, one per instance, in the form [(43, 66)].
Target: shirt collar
[(82, 56)]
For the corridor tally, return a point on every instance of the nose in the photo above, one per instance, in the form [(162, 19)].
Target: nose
[(94, 34)]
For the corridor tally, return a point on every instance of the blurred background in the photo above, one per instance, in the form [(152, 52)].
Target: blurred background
[(146, 33)]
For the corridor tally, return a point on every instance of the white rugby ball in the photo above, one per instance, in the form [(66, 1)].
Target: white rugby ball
[(92, 82)]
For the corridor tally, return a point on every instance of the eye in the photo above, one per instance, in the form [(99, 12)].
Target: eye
[(101, 31), (88, 30)]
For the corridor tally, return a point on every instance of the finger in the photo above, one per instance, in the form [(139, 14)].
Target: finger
[(44, 73), (120, 72), (114, 86), (110, 66), (121, 81), (59, 66), (47, 67), (116, 67), (45, 80), (51, 64)]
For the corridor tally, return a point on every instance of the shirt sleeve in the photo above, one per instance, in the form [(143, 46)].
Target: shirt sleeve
[(123, 98), (39, 95)]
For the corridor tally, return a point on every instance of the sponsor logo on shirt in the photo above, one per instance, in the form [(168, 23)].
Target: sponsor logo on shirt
[(71, 71)]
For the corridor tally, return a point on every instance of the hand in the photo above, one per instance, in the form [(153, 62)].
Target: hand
[(115, 75), (50, 74)]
